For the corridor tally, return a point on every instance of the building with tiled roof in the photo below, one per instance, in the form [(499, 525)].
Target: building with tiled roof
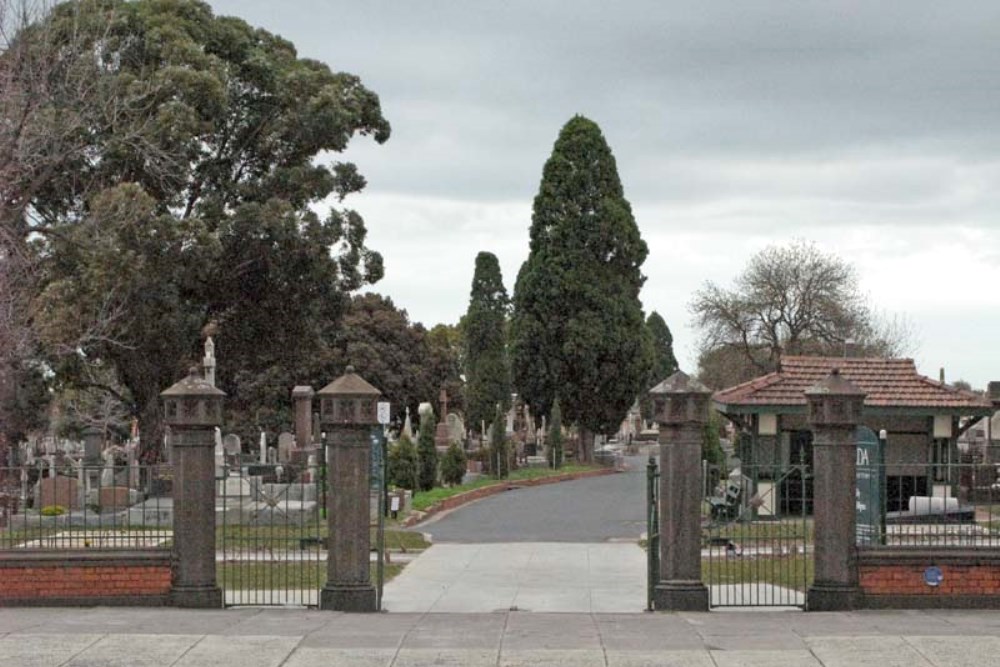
[(922, 419)]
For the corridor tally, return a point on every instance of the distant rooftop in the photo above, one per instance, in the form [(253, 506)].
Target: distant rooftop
[(889, 384)]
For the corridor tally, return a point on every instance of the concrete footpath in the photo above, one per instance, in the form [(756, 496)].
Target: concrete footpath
[(298, 638)]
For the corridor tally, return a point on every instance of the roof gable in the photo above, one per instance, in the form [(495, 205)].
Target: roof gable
[(887, 383)]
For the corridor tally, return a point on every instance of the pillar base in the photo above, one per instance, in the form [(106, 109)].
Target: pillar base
[(196, 597), (350, 598), (680, 596), (832, 597)]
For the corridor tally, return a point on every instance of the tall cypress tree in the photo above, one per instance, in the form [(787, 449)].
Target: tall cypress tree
[(664, 361), (487, 375), (578, 325), (661, 346)]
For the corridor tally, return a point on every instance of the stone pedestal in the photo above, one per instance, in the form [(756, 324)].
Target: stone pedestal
[(347, 415), (835, 407), (681, 406), (193, 409)]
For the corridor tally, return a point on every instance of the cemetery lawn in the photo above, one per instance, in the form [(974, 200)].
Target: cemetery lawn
[(424, 499), (794, 571)]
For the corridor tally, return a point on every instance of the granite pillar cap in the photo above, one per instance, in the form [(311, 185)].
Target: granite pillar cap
[(303, 391), (349, 400), (680, 399), (194, 401), (835, 402)]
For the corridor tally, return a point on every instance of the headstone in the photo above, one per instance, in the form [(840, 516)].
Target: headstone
[(209, 361), (231, 444), (407, 425), (286, 442), (272, 455), (63, 491), (441, 435), (114, 497), (456, 428)]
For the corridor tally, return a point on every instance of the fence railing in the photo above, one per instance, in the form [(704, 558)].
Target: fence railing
[(70, 505), (928, 505)]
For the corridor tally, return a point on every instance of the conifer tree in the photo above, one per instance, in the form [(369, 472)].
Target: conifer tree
[(427, 453), (486, 369), (578, 325)]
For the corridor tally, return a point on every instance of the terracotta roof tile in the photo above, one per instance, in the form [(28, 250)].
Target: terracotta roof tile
[(887, 383)]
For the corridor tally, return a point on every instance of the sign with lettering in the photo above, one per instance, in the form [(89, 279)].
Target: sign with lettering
[(868, 495), (383, 412)]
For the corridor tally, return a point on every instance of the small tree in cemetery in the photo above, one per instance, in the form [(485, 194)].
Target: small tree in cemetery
[(453, 465), (578, 325), (555, 436), (499, 447), (486, 371), (427, 453), (403, 464)]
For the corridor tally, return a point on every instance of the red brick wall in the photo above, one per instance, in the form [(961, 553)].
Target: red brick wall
[(70, 577), (886, 579)]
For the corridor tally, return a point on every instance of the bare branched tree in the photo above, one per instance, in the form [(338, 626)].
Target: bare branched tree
[(790, 300)]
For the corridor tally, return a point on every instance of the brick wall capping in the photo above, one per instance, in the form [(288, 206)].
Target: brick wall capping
[(927, 556), (302, 391), (85, 557)]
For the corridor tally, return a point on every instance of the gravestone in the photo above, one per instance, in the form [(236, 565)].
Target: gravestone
[(63, 491), (456, 428), (231, 444), (114, 497), (286, 443)]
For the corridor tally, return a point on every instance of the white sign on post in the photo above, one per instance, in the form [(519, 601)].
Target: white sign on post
[(383, 412)]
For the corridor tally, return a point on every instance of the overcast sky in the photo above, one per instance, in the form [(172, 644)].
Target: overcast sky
[(872, 131)]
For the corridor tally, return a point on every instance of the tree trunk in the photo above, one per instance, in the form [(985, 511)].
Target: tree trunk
[(151, 428), (585, 446)]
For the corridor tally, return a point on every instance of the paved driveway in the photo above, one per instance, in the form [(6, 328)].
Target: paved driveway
[(595, 509), (567, 547)]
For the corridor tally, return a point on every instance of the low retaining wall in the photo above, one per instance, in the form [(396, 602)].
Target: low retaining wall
[(895, 579), (500, 487), (85, 578)]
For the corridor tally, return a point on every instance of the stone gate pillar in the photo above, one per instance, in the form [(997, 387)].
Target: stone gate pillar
[(835, 406), (192, 409), (681, 407), (347, 414)]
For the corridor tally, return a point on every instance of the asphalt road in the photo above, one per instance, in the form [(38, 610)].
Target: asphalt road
[(596, 509)]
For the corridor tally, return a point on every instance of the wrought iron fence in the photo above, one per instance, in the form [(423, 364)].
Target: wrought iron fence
[(61, 503), (928, 505)]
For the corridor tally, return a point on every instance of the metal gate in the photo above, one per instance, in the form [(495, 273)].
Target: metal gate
[(652, 530), (757, 536), (272, 532)]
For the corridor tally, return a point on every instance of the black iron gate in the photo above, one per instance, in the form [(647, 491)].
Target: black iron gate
[(757, 537), (652, 530), (272, 532)]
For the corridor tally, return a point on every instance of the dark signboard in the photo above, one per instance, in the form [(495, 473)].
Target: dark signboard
[(868, 497)]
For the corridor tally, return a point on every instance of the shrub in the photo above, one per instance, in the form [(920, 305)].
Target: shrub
[(403, 464), (427, 453), (453, 465), (52, 510)]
